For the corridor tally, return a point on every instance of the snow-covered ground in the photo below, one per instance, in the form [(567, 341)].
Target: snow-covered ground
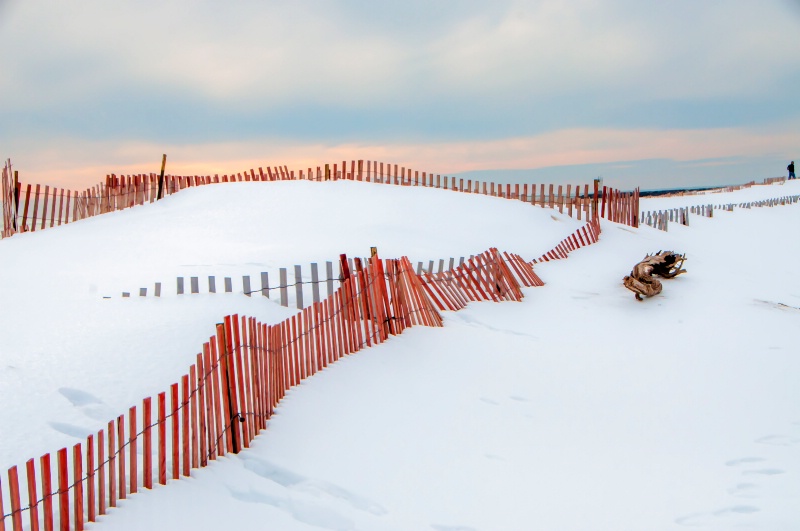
[(578, 408)]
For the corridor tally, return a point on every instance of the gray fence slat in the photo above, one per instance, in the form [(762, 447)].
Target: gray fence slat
[(419, 268), (265, 284), (452, 263), (315, 282), (246, 285), (441, 265), (283, 282), (430, 267), (126, 294), (329, 280), (180, 285), (158, 289), (298, 286), (212, 284), (143, 292), (228, 285), (195, 285), (460, 261)]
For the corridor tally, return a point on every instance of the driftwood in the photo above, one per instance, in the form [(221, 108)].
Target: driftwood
[(665, 264)]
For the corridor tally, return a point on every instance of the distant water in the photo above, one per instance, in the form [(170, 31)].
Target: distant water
[(653, 175)]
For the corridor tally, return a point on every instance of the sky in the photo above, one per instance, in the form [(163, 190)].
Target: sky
[(649, 94)]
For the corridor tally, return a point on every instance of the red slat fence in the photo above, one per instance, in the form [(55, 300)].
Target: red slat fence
[(226, 398), (32, 207)]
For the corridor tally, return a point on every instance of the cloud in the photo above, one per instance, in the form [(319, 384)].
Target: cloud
[(454, 85), (79, 164), (261, 56)]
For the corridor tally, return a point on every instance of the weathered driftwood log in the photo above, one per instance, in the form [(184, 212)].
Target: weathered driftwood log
[(665, 264)]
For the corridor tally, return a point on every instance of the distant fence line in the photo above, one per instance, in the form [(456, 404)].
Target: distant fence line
[(227, 396), (660, 219), (36, 207), (32, 207)]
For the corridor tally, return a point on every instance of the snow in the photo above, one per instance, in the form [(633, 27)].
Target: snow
[(578, 408)]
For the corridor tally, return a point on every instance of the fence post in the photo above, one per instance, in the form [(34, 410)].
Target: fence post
[(246, 285), (161, 177), (315, 282), (16, 509), (229, 391), (63, 490), (283, 282), (77, 478), (265, 284), (33, 504), (298, 286)]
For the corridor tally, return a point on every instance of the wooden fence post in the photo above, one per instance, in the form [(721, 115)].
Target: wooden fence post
[(63, 490), (161, 177), (228, 390), (16, 508), (77, 480)]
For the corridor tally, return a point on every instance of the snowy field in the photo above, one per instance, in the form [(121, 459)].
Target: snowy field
[(577, 409)]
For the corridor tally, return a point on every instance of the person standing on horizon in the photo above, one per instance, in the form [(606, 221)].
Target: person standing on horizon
[(790, 167)]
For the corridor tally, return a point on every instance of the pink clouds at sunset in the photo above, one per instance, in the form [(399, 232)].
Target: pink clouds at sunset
[(66, 166)]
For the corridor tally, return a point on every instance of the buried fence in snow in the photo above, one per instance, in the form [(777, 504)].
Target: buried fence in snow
[(243, 371), (31, 207), (304, 288), (660, 219)]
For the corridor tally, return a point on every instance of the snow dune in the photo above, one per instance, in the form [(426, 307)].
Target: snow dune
[(577, 408)]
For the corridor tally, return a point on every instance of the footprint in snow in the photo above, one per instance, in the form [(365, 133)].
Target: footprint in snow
[(779, 440), (78, 398), (744, 490), (489, 401), (303, 484), (90, 405), (763, 472), (744, 461), (70, 429), (706, 519), (302, 511)]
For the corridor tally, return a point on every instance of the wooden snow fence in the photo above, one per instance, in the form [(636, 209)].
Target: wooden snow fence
[(220, 404), (36, 207), (586, 235), (242, 372), (485, 277), (660, 219)]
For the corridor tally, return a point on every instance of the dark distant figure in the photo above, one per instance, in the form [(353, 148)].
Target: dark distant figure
[(790, 167)]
